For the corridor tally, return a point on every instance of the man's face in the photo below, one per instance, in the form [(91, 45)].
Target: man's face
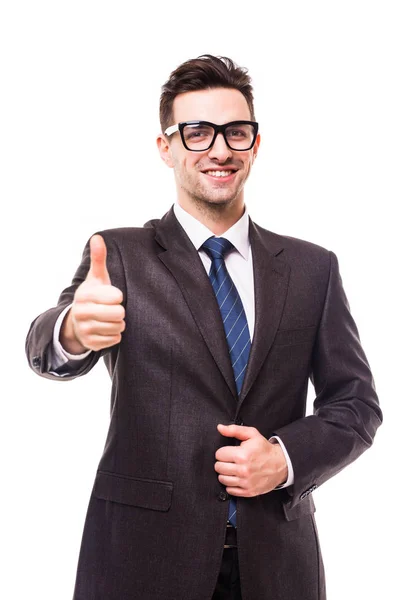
[(195, 175)]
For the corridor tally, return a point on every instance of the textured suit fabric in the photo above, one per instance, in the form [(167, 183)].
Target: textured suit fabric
[(172, 383)]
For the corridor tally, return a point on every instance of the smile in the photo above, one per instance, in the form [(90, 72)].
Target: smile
[(220, 174)]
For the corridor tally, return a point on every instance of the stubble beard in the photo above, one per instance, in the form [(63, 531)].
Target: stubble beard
[(213, 203)]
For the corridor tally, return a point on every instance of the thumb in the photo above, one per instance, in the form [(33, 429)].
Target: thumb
[(240, 432), (98, 260)]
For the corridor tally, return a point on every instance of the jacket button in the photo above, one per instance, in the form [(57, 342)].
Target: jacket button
[(36, 362), (238, 421), (223, 496)]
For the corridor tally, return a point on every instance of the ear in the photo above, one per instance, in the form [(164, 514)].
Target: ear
[(256, 147), (165, 150)]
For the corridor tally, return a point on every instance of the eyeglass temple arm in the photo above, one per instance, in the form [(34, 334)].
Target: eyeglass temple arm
[(170, 130)]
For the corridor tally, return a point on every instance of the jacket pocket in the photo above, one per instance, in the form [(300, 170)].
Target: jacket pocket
[(287, 337), (146, 493), (303, 508)]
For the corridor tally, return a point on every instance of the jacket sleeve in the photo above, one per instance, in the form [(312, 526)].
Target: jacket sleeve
[(346, 410), (39, 341)]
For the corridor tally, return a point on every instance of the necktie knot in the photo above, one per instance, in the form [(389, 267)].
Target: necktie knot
[(216, 248)]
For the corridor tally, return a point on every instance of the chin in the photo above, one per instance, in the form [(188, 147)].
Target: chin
[(227, 201), (223, 197), (222, 200)]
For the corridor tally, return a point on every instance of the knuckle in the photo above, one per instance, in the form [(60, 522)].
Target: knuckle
[(79, 292), (241, 458), (82, 311), (76, 308), (116, 293), (244, 471), (85, 327)]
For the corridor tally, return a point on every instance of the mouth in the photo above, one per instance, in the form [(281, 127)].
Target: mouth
[(221, 175)]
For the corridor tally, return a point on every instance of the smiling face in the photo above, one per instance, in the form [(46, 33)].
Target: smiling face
[(216, 177)]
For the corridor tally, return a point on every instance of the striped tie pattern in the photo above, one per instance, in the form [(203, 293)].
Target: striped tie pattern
[(233, 318)]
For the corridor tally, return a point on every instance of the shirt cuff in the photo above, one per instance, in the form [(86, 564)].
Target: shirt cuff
[(290, 478), (59, 356)]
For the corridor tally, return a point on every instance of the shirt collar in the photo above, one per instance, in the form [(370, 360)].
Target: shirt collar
[(198, 233)]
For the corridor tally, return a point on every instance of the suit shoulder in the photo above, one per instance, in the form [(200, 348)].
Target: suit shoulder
[(121, 236), (292, 245), (298, 245)]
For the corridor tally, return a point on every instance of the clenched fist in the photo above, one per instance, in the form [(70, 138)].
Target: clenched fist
[(96, 317)]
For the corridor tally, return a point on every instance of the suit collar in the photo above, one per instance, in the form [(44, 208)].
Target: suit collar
[(198, 233), (168, 229)]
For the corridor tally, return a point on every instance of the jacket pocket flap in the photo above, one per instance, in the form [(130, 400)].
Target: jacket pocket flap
[(302, 508), (146, 493)]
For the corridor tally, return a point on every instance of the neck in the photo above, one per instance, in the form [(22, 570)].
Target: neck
[(216, 217)]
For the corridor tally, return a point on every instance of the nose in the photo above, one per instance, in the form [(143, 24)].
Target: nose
[(219, 150)]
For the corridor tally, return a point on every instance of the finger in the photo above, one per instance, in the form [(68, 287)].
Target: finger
[(98, 260), (107, 313), (226, 468), (98, 342), (89, 328), (239, 491), (228, 454), (98, 294), (229, 480), (240, 432)]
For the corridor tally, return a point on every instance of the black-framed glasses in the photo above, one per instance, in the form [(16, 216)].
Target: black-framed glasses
[(199, 136)]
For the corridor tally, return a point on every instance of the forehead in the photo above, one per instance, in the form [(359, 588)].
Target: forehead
[(219, 105)]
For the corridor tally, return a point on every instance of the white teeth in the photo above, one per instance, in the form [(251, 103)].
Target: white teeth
[(219, 173)]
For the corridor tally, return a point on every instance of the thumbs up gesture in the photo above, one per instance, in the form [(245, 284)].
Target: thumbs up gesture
[(96, 318)]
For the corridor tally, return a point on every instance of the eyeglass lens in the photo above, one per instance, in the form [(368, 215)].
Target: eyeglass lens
[(199, 136)]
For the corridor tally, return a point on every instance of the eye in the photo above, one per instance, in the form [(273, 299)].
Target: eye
[(198, 133), (237, 133), (195, 133)]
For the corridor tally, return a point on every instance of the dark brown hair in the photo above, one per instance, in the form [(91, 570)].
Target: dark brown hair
[(204, 72)]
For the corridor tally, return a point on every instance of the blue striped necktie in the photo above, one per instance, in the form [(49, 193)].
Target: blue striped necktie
[(233, 318)]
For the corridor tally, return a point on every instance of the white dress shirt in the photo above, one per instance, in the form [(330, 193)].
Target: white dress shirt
[(240, 267)]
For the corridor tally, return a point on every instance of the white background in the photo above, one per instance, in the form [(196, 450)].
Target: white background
[(79, 117)]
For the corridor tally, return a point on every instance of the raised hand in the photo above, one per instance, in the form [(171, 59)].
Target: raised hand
[(96, 318)]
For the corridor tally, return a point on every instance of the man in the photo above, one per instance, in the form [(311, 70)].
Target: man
[(210, 327)]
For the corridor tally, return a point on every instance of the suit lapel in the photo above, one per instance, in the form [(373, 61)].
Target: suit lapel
[(182, 260), (271, 278)]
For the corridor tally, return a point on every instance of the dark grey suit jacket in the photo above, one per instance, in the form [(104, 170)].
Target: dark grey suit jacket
[(156, 519)]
